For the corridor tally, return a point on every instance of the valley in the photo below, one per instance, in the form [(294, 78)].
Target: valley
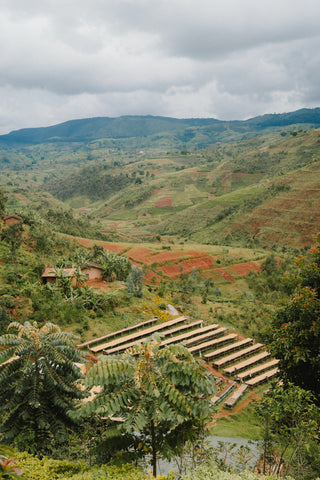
[(204, 216)]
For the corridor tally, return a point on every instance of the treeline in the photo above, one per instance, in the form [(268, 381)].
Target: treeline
[(48, 221), (93, 182)]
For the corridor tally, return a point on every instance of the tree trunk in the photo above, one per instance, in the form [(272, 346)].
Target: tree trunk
[(154, 451)]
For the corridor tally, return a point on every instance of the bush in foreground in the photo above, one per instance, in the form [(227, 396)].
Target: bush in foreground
[(47, 469), (211, 471)]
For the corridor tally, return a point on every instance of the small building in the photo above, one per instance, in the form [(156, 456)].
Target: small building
[(93, 271), (11, 219), (50, 275)]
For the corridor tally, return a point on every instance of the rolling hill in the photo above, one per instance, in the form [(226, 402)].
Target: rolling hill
[(262, 190), (192, 132)]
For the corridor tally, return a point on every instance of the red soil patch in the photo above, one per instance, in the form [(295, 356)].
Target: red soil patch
[(201, 263), (107, 246), (164, 257), (164, 202), (102, 285), (243, 269), (151, 278), (226, 275), (139, 253)]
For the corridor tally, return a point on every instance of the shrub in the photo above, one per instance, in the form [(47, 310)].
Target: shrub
[(48, 469), (210, 470)]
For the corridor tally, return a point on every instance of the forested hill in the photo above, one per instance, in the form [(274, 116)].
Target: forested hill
[(103, 127), (198, 132)]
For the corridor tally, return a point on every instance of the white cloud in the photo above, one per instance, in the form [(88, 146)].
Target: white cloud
[(225, 59)]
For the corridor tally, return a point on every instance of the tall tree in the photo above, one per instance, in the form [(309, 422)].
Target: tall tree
[(38, 385), (290, 425), (3, 200), (161, 394), (134, 282), (12, 234), (294, 333)]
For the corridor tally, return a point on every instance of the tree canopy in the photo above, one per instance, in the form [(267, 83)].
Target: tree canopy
[(12, 234), (38, 385), (290, 425), (3, 200), (162, 394), (294, 332)]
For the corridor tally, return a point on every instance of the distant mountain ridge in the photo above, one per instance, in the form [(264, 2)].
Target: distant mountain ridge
[(90, 129)]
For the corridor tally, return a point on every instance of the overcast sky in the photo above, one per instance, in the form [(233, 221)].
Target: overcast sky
[(228, 59)]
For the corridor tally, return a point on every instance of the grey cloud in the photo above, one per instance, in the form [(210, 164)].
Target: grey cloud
[(226, 59)]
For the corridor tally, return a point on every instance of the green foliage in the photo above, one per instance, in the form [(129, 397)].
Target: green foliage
[(92, 181), (65, 221), (161, 394), (4, 320), (134, 282), (217, 292), (44, 243), (211, 470), (115, 267), (12, 234), (186, 285), (38, 385), (137, 196), (295, 339), (49, 469), (232, 457), (268, 283), (290, 422), (294, 332), (3, 200)]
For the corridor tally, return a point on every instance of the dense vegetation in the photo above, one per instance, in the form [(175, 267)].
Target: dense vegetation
[(162, 395), (38, 386), (294, 328)]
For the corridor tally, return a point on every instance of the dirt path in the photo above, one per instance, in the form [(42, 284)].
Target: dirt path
[(238, 408)]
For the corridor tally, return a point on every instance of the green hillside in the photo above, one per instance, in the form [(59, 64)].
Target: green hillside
[(249, 192), (193, 132), (240, 192)]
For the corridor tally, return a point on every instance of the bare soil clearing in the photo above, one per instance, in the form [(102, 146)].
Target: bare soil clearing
[(164, 202), (243, 269)]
